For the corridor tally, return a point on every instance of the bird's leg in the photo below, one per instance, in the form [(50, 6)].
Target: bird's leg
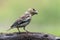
[(25, 29), (18, 29)]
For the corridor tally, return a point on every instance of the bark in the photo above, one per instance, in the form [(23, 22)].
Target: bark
[(27, 36)]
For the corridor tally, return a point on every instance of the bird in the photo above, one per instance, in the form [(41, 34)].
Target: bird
[(24, 20)]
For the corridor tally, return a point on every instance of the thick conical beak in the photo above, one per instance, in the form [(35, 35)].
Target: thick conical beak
[(36, 12)]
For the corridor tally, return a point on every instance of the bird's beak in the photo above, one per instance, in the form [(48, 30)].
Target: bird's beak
[(36, 12)]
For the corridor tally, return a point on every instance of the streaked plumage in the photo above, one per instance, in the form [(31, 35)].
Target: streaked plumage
[(24, 20)]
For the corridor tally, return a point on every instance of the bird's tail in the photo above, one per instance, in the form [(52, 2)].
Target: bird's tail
[(9, 29)]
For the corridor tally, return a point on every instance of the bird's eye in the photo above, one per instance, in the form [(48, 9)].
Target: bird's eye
[(34, 9)]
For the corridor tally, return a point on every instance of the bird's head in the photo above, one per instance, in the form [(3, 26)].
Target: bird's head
[(32, 11)]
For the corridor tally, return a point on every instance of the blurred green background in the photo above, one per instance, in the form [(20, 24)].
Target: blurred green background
[(47, 20)]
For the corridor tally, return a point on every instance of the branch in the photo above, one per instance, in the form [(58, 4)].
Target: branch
[(27, 36)]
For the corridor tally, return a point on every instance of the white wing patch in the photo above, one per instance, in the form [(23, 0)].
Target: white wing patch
[(24, 24)]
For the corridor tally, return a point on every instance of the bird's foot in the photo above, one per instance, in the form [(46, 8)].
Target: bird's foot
[(27, 31), (19, 32)]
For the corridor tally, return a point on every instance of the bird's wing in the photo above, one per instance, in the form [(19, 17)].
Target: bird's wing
[(21, 20)]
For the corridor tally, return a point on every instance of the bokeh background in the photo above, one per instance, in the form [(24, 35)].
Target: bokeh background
[(47, 20)]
